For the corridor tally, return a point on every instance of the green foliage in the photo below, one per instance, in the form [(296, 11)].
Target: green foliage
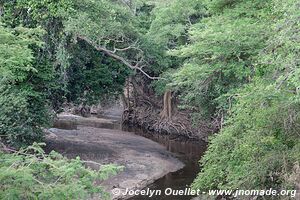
[(238, 58), (44, 68), (61, 52), (23, 108), (259, 145), (36, 69), (169, 30), (171, 21), (31, 174), (41, 10), (104, 21), (16, 57), (256, 148), (40, 14), (93, 76), (221, 54)]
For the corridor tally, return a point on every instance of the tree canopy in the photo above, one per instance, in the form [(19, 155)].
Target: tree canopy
[(232, 61)]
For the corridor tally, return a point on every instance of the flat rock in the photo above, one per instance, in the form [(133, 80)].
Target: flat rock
[(144, 160)]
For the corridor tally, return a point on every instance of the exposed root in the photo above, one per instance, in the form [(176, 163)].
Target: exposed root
[(180, 124), (147, 111)]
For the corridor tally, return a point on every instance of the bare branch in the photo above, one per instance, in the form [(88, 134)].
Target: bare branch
[(127, 48), (113, 54)]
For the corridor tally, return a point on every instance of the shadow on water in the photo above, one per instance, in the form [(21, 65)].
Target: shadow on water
[(188, 151)]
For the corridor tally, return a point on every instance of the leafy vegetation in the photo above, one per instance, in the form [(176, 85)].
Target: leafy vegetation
[(31, 174), (23, 108), (93, 76), (239, 63), (40, 68), (259, 144), (233, 61)]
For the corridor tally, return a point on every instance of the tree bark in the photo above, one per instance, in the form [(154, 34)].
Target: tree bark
[(167, 106), (142, 94), (124, 101)]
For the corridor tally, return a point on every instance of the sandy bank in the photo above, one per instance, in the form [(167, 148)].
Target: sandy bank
[(144, 160)]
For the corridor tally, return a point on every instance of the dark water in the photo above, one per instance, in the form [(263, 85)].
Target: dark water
[(188, 151)]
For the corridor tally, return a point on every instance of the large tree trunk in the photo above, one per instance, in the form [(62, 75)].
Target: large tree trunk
[(167, 106)]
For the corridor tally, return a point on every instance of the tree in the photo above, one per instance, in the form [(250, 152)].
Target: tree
[(23, 108), (169, 30), (92, 75), (221, 54), (110, 27), (258, 146)]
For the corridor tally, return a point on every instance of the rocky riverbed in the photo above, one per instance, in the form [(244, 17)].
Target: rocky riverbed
[(144, 160)]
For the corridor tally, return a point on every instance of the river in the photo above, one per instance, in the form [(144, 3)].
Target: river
[(187, 151)]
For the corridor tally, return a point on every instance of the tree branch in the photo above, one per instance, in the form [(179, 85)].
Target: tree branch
[(119, 58)]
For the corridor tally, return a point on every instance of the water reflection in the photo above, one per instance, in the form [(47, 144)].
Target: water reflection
[(189, 151)]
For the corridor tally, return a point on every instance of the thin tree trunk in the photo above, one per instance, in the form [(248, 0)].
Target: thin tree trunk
[(124, 101), (167, 106)]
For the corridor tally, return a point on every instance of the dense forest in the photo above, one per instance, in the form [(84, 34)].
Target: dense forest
[(226, 70)]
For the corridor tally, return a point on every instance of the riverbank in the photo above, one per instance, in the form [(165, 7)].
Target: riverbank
[(181, 124), (144, 160)]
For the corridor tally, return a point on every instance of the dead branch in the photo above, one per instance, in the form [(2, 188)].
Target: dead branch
[(112, 53)]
